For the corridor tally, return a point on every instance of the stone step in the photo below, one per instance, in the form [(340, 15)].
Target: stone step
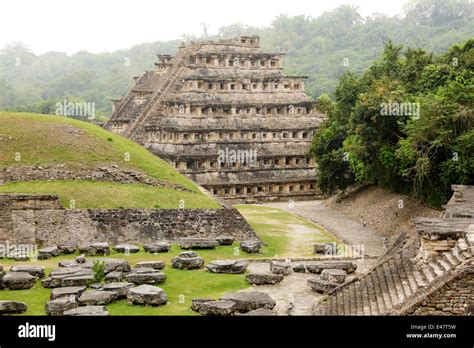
[(426, 272), (374, 307), (451, 259), (436, 268), (410, 272), (360, 298), (385, 292), (420, 279), (340, 302), (406, 277), (333, 306), (392, 289), (365, 297), (347, 300), (462, 245), (378, 293), (400, 283), (444, 264), (457, 255)]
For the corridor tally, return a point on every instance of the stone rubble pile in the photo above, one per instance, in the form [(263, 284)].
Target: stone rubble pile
[(251, 246), (187, 260), (318, 266), (280, 267), (228, 266), (235, 303), (157, 247), (264, 278), (18, 281), (225, 239), (147, 295), (198, 243), (12, 307), (145, 275)]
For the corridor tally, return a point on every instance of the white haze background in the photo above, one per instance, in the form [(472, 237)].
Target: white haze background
[(108, 25)]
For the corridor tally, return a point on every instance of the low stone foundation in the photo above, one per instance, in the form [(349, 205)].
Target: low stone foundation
[(46, 222)]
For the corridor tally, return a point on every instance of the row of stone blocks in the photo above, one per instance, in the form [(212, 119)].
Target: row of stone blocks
[(103, 248), (79, 272), (331, 272)]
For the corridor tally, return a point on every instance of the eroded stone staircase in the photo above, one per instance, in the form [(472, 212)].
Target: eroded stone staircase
[(440, 253), (154, 100)]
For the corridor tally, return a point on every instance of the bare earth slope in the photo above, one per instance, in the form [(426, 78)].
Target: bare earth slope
[(364, 217), (386, 212)]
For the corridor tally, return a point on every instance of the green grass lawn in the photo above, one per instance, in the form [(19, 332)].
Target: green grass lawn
[(94, 194), (276, 227), (48, 140), (287, 235), (181, 285)]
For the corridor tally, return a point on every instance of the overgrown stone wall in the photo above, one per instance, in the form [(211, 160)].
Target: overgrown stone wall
[(104, 173), (58, 225)]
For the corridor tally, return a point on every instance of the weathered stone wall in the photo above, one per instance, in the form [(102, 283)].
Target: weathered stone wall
[(16, 201), (58, 225), (454, 298), (23, 205)]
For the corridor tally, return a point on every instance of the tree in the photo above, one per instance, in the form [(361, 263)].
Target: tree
[(405, 124)]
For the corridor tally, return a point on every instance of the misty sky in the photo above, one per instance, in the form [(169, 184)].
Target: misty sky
[(108, 25)]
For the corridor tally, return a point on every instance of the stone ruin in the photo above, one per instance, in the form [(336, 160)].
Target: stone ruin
[(224, 114), (430, 273), (41, 220)]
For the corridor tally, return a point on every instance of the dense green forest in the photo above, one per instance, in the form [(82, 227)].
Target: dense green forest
[(323, 48), (405, 124)]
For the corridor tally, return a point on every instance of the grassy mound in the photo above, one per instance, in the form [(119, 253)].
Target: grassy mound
[(50, 140)]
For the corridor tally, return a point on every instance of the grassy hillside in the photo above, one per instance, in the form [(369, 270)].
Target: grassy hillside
[(46, 140)]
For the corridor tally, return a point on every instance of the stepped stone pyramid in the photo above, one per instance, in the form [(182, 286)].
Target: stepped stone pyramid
[(224, 114), (428, 274)]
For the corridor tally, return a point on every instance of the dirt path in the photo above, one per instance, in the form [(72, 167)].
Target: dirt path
[(302, 239), (293, 296), (345, 228), (297, 233), (292, 289)]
